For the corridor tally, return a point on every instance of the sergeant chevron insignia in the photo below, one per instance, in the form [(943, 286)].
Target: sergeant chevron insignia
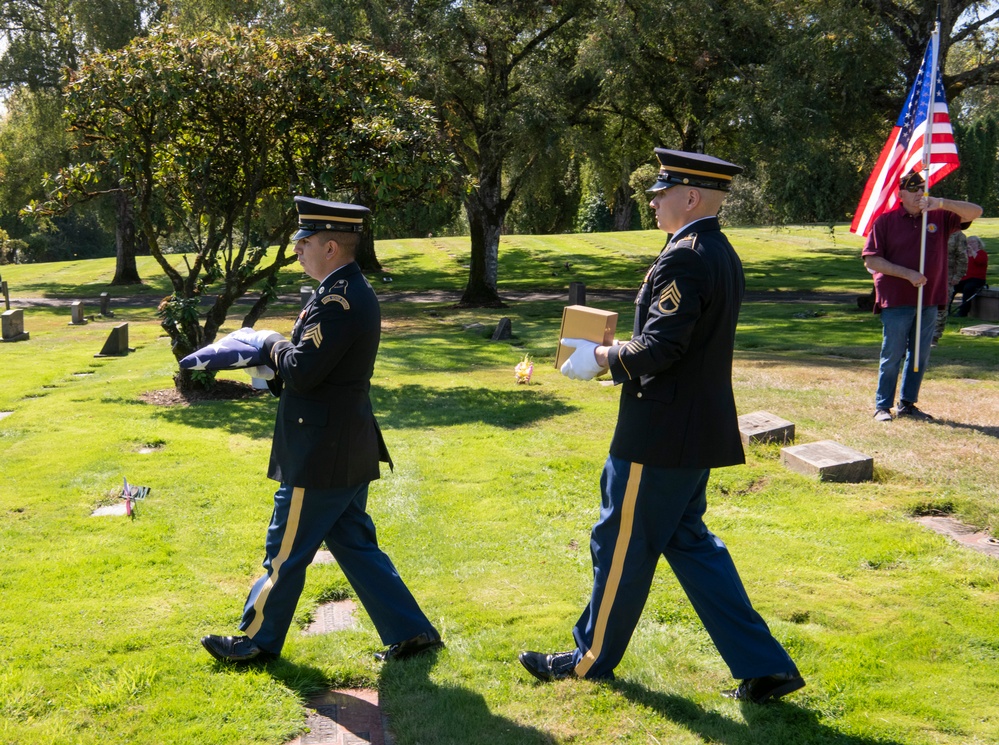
[(669, 299), (314, 334)]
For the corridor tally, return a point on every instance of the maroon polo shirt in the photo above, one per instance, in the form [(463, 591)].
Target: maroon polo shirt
[(895, 238)]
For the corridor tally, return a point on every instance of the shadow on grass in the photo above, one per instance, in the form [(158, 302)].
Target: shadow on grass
[(422, 406), (408, 406), (251, 417), (420, 710), (982, 429), (779, 722)]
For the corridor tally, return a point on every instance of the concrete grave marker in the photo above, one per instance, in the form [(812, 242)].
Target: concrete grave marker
[(982, 329), (12, 325), (106, 305), (985, 305), (762, 426), (323, 557), (335, 616), (79, 319), (116, 510), (829, 460), (504, 330), (577, 293), (304, 294), (344, 717), (117, 343), (5, 414), (963, 534)]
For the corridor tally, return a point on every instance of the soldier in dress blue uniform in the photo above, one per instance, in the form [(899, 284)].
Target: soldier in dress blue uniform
[(325, 451), (677, 420)]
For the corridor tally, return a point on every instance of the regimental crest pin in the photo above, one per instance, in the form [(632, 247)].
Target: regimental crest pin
[(314, 334), (669, 299)]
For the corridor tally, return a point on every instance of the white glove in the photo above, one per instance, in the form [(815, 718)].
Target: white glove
[(262, 372), (253, 337), (582, 364)]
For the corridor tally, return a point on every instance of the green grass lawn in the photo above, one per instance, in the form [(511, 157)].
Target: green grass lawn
[(487, 516)]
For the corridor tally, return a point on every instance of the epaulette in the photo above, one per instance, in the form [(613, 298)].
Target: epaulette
[(688, 241)]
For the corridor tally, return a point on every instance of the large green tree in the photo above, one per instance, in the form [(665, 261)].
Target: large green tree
[(212, 135), (973, 24), (501, 75), (40, 39)]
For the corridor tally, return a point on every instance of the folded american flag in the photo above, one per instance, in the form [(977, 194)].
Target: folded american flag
[(225, 354)]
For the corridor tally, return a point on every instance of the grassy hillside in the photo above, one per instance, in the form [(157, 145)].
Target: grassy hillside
[(487, 517)]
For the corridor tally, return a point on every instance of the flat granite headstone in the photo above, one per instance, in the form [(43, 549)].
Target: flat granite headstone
[(337, 615), (982, 329), (79, 319), (12, 326), (504, 330), (119, 509), (344, 717), (985, 305), (829, 460), (762, 426), (304, 294), (963, 534), (323, 557), (577, 293), (117, 343), (5, 414)]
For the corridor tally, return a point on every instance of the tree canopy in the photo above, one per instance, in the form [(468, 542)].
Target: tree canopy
[(212, 135)]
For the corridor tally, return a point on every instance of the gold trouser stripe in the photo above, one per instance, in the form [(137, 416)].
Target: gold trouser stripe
[(616, 569), (287, 541)]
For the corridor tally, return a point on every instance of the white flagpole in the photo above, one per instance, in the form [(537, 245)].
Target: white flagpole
[(927, 145)]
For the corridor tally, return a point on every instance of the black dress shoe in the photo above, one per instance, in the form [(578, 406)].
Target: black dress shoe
[(235, 649), (761, 690), (547, 667), (425, 642)]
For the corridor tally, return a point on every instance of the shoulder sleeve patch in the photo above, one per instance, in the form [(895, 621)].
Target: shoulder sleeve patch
[(337, 299)]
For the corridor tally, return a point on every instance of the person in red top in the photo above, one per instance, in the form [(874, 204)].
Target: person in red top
[(973, 279), (892, 255)]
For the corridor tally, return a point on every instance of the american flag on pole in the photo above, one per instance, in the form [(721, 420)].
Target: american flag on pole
[(904, 150)]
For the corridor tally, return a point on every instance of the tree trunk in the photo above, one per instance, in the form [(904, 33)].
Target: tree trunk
[(624, 205), (125, 271), (267, 292), (480, 292), (366, 257), (486, 212)]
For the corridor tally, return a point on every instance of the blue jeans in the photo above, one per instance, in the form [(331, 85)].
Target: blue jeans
[(898, 344)]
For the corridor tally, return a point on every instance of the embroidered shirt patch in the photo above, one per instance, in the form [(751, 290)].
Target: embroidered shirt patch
[(669, 299)]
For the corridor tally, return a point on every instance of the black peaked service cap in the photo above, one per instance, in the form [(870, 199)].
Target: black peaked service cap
[(315, 215), (680, 168)]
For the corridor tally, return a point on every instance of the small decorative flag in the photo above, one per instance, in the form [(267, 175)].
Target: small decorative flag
[(524, 369)]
